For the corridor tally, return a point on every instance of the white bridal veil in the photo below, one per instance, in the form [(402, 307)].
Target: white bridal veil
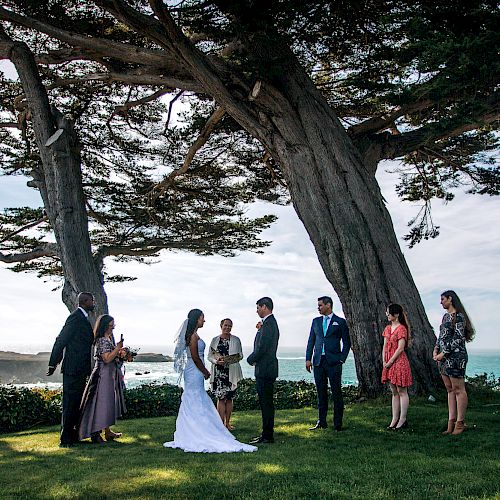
[(180, 351)]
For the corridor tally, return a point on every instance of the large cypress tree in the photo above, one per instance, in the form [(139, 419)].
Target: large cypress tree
[(327, 90)]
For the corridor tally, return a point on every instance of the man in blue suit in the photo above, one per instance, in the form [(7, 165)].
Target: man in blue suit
[(324, 353)]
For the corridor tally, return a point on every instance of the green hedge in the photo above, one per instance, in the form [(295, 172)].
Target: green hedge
[(22, 408)]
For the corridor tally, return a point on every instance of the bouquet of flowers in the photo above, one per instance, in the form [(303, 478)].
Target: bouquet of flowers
[(127, 353)]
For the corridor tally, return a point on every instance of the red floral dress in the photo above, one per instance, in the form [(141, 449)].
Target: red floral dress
[(400, 372)]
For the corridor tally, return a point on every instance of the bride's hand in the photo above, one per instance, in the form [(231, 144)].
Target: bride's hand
[(206, 375)]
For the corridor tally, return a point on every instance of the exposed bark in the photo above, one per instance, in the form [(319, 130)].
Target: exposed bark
[(60, 185), (340, 204)]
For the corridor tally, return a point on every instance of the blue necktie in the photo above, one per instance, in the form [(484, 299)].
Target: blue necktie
[(325, 328), (325, 325)]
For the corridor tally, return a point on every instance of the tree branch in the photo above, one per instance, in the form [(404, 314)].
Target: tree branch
[(378, 123), (210, 72), (132, 104), (208, 128), (27, 226), (99, 46), (130, 78), (47, 250), (395, 146)]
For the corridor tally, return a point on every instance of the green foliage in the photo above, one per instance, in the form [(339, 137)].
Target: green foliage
[(431, 66), (484, 381), (22, 408), (152, 400)]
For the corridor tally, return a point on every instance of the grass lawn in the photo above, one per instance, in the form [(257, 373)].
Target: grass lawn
[(364, 461)]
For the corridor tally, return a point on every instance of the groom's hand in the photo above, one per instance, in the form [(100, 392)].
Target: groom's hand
[(51, 370), (308, 366)]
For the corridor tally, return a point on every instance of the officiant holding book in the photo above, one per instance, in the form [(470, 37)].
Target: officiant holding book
[(225, 353)]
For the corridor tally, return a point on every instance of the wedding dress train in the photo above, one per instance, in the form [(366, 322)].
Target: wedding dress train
[(199, 427)]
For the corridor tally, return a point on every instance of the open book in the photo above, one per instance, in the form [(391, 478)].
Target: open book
[(228, 360)]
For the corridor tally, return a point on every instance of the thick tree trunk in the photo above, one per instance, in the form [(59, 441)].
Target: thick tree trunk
[(60, 186), (339, 202)]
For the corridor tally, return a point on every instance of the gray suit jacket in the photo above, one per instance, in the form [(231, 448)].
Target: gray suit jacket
[(264, 350), (74, 344)]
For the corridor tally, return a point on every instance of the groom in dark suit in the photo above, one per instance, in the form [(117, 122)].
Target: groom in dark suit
[(327, 332), (265, 361), (74, 347)]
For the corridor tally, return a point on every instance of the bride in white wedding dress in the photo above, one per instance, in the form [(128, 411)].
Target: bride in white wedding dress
[(199, 427)]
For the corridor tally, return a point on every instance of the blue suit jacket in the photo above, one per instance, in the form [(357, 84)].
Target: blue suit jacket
[(337, 332)]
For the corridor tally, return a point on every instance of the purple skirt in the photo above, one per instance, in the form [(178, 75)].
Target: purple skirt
[(103, 400)]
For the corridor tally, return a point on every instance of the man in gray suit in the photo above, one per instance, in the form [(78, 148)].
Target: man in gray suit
[(327, 332), (265, 361)]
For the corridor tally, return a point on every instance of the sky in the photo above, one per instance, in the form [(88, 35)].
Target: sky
[(148, 311)]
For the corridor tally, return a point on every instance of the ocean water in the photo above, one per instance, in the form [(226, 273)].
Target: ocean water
[(291, 366)]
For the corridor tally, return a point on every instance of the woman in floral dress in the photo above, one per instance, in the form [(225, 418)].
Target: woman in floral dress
[(103, 400), (451, 354), (226, 372), (396, 367)]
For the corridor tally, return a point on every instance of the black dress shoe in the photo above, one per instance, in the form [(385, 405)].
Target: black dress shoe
[(261, 439), (337, 428), (318, 426), (97, 438), (66, 445)]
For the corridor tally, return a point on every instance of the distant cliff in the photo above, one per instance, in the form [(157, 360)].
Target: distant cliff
[(18, 368)]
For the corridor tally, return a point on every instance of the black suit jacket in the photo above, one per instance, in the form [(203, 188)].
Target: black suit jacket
[(264, 349), (337, 331), (74, 346)]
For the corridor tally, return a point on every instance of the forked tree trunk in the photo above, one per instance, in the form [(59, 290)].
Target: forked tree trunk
[(60, 185)]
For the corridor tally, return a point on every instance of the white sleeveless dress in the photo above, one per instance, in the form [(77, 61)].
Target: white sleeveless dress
[(198, 427)]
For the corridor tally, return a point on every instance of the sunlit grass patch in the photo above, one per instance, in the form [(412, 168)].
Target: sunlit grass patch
[(364, 461)]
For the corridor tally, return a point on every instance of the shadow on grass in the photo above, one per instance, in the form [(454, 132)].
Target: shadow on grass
[(364, 461)]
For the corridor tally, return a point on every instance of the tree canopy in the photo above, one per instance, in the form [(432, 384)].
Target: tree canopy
[(414, 81), (286, 97)]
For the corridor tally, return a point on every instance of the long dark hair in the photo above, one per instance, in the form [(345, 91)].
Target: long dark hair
[(457, 304), (193, 317), (101, 326), (402, 317)]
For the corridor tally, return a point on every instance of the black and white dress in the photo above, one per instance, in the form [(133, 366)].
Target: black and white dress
[(221, 384), (451, 342)]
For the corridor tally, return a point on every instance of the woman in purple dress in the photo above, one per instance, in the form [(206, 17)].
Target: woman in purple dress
[(103, 400)]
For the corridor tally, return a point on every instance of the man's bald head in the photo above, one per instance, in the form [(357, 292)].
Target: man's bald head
[(86, 301)]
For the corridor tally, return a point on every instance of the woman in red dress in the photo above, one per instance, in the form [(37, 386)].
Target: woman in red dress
[(396, 367)]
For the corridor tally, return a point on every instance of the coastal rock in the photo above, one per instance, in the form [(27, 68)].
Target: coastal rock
[(17, 368), (151, 357)]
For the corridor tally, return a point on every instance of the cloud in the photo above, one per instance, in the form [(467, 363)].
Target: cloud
[(149, 310)]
